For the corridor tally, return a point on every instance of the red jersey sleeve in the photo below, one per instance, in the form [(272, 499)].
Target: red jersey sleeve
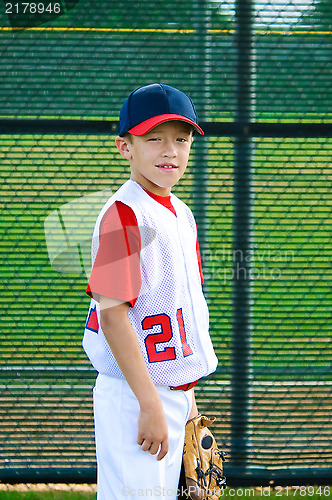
[(199, 260), (116, 272)]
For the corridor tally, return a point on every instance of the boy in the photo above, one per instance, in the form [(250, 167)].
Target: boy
[(147, 327)]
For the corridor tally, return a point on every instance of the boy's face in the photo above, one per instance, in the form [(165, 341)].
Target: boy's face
[(159, 158)]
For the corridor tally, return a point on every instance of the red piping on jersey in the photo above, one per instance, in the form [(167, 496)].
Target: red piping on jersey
[(184, 387)]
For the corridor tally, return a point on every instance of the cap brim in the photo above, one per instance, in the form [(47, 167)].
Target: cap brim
[(148, 125)]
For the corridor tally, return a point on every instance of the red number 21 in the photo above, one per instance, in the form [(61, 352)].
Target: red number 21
[(185, 346), (165, 335)]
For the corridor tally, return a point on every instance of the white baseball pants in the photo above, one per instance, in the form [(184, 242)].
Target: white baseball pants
[(123, 469)]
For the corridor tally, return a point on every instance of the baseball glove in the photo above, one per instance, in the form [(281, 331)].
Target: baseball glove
[(202, 461)]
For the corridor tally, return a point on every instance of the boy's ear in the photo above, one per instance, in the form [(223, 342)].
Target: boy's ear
[(123, 147)]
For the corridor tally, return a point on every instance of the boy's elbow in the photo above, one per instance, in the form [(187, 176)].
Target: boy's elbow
[(112, 311)]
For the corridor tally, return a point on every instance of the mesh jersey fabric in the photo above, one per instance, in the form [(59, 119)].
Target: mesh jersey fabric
[(170, 315)]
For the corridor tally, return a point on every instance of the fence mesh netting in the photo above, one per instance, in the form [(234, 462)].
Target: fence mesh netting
[(81, 65)]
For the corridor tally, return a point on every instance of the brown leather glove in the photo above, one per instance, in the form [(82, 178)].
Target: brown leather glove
[(202, 461)]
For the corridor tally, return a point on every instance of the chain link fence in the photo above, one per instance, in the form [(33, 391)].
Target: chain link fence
[(259, 183)]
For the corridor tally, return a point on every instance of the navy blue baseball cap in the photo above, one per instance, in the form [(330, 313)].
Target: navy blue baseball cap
[(149, 106)]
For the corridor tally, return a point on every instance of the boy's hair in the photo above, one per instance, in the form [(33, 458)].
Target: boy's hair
[(149, 106)]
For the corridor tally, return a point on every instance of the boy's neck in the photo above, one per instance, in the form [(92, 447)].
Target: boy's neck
[(155, 190)]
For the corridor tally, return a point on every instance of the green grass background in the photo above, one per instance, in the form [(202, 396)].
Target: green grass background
[(16, 495)]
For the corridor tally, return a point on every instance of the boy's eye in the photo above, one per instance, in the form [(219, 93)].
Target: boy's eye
[(157, 139)]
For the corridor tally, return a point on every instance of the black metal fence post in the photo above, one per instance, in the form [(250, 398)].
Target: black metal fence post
[(202, 49), (241, 377)]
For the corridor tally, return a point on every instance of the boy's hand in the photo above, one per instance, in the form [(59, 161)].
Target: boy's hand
[(152, 433)]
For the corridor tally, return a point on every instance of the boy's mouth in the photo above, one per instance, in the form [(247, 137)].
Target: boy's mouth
[(166, 166)]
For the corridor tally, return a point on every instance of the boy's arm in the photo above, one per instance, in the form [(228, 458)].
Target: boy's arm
[(194, 409), (152, 432)]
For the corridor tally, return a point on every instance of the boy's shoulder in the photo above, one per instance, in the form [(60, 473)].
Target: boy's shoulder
[(180, 204), (128, 191), (132, 194)]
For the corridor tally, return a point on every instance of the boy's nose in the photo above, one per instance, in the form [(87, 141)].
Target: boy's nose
[(170, 150)]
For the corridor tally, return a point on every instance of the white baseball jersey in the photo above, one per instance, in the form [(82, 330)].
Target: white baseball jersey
[(170, 316)]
